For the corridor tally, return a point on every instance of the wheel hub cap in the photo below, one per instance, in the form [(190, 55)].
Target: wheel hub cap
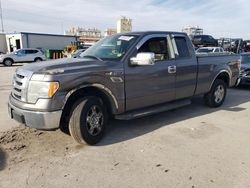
[(94, 120), (219, 94)]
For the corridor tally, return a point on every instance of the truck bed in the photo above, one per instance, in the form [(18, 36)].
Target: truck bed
[(211, 65)]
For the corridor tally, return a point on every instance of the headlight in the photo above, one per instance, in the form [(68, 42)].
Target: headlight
[(41, 90)]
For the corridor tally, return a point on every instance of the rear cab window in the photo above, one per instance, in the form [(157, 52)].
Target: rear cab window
[(181, 47)]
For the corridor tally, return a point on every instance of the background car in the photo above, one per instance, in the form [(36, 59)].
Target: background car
[(204, 40), (245, 69), (210, 50), (22, 55), (76, 54)]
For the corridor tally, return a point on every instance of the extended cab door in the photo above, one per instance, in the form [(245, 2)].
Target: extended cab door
[(149, 85), (186, 66)]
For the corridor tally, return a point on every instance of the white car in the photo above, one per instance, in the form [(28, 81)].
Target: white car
[(204, 50), (22, 55)]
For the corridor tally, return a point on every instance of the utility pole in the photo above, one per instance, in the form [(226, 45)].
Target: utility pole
[(1, 15)]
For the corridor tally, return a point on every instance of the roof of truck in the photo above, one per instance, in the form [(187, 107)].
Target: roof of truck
[(150, 32)]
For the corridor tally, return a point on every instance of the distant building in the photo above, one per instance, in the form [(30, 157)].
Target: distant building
[(124, 25), (3, 44), (110, 31), (38, 40), (90, 35), (193, 30)]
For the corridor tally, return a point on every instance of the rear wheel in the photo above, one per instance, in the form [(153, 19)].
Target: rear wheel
[(216, 96), (88, 120), (38, 59), (8, 62)]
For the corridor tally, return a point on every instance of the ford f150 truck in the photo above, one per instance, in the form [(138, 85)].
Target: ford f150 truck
[(123, 76)]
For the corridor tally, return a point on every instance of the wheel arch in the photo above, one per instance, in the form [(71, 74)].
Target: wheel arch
[(222, 75), (9, 59), (38, 58), (90, 90)]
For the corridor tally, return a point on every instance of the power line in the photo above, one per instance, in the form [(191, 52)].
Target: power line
[(1, 15)]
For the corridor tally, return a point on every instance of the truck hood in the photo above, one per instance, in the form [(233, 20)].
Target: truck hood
[(63, 65)]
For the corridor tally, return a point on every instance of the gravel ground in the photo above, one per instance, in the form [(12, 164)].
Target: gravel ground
[(194, 146)]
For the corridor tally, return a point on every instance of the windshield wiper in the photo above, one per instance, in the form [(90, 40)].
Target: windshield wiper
[(92, 56)]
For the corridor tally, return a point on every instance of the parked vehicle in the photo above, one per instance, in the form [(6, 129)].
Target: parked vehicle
[(76, 54), (124, 76), (245, 69), (204, 40), (217, 50), (22, 55), (234, 45), (247, 45)]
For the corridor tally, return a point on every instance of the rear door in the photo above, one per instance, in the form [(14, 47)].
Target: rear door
[(186, 67), (30, 55), (151, 84)]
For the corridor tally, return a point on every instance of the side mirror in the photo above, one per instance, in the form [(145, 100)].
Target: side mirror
[(15, 53), (144, 58)]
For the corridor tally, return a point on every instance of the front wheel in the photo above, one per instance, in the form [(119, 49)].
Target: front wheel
[(88, 120), (8, 62), (216, 96)]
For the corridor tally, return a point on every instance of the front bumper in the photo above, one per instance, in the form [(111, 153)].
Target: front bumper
[(36, 119)]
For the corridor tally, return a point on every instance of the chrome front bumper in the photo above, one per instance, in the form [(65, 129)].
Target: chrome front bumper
[(35, 119)]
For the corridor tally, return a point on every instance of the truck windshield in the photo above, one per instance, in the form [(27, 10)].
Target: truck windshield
[(110, 48)]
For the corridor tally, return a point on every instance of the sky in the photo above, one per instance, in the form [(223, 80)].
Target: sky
[(219, 18)]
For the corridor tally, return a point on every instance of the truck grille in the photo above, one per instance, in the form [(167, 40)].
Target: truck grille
[(20, 84)]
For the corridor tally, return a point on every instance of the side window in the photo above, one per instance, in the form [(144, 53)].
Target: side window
[(28, 51), (182, 48), (158, 46), (217, 50), (20, 52)]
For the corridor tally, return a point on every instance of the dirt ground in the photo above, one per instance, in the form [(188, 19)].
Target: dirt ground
[(194, 146)]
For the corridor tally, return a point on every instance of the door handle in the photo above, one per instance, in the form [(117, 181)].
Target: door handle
[(172, 69)]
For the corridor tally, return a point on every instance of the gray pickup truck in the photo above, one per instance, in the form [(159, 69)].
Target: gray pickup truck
[(123, 76)]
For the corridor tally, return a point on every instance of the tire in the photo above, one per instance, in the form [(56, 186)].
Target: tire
[(216, 96), (38, 59), (8, 62), (88, 120)]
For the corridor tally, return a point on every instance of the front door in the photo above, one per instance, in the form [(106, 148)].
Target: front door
[(151, 84), (20, 56)]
